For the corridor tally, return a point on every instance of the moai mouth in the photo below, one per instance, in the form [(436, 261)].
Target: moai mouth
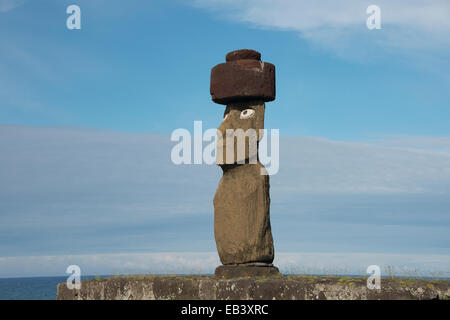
[(242, 203)]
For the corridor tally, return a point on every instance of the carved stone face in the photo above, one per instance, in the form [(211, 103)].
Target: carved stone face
[(239, 133)]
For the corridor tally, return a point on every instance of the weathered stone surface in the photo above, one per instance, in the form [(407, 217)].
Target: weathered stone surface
[(242, 204), (242, 216), (242, 271), (259, 288), (243, 54), (244, 79), (246, 133)]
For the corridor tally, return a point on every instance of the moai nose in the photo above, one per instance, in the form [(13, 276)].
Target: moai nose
[(243, 77)]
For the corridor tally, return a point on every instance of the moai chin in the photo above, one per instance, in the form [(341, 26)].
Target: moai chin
[(242, 204)]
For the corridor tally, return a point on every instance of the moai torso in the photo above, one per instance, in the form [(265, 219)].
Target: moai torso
[(242, 204), (241, 216)]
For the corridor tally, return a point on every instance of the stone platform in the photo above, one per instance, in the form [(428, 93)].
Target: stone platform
[(247, 270), (261, 288)]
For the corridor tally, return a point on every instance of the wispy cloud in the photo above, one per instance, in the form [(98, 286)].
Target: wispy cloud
[(314, 165), (411, 28), (434, 144), (8, 5), (64, 159), (304, 15)]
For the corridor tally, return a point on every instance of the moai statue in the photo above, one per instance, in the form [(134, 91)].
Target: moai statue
[(242, 204)]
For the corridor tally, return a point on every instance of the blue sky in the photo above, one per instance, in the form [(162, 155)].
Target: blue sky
[(86, 116), (145, 68)]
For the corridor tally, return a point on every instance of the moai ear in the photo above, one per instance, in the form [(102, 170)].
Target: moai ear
[(259, 119), (225, 113)]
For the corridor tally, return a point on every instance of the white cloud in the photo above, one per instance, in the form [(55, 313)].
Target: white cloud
[(305, 16), (69, 160), (100, 264), (313, 165), (435, 144), (206, 262), (80, 191), (420, 25)]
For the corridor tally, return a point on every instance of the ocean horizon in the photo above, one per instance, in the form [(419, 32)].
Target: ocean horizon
[(33, 288)]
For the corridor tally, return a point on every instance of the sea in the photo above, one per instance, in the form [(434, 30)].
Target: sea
[(35, 288)]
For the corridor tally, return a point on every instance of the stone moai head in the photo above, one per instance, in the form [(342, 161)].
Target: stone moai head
[(244, 83)]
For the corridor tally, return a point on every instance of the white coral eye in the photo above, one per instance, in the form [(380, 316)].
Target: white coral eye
[(247, 113)]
